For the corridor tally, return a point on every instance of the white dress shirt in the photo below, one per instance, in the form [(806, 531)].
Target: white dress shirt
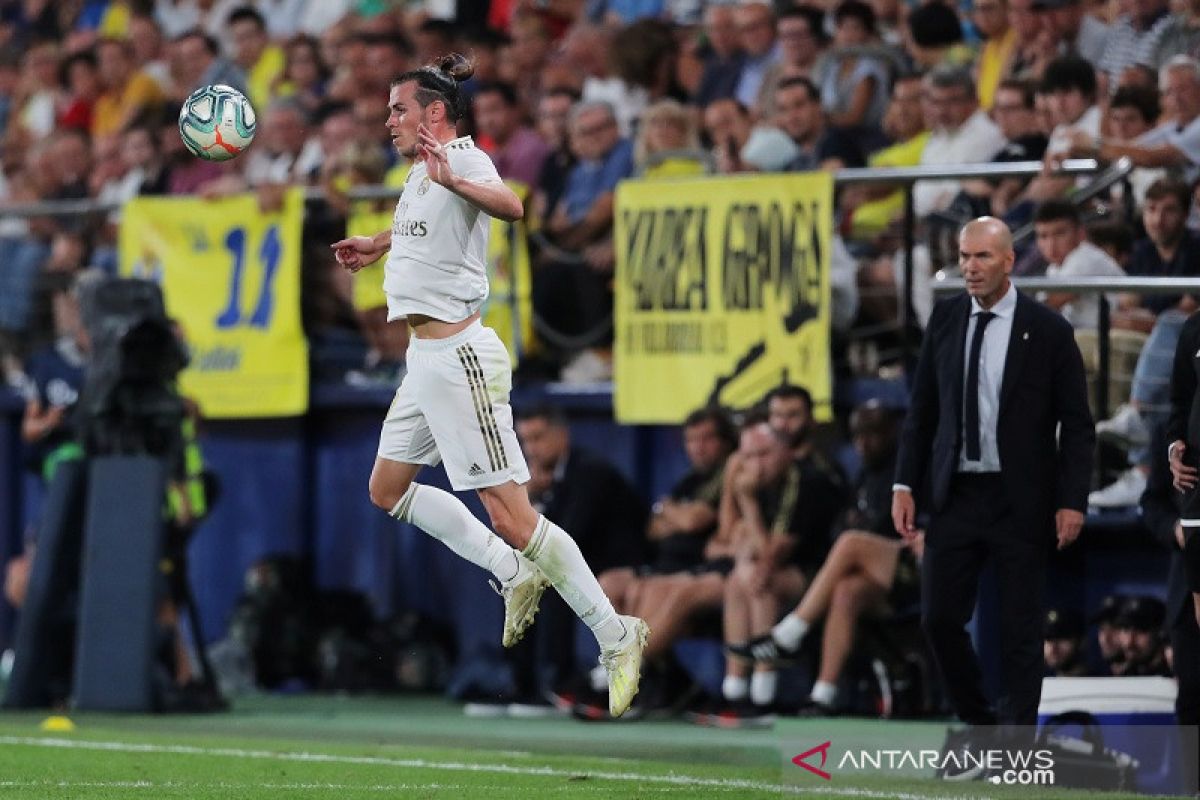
[(993, 351), (992, 354)]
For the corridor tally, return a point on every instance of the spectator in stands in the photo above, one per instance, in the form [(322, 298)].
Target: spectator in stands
[(526, 59), (1036, 44), (148, 53), (854, 88), (1014, 113), (935, 38), (1062, 241), (1077, 31), (667, 143), (1133, 37), (992, 21), (1169, 250), (1070, 81), (260, 60), (81, 79), (1139, 629), (553, 113), (127, 92), (35, 98), (387, 55), (961, 132), (869, 209), (432, 38), (197, 61), (727, 127), (1062, 644), (305, 75), (1180, 37), (782, 510), (801, 35), (1174, 144), (282, 152), (1108, 640), (573, 294), (869, 569), (643, 59), (798, 113), (755, 23), (1133, 112), (576, 487), (722, 56), (691, 561), (517, 150)]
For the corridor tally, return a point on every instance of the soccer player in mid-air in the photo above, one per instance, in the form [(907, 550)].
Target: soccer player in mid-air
[(453, 403)]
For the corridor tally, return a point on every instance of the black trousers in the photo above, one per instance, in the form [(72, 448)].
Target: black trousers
[(978, 526), (1185, 641)]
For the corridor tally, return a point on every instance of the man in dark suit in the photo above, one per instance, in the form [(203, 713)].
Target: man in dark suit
[(998, 374), (1160, 514)]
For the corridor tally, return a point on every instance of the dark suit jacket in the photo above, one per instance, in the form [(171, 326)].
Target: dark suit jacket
[(599, 509), (1043, 385), (1160, 511)]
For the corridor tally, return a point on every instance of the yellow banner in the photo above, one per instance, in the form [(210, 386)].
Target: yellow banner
[(722, 293), (508, 255), (231, 277)]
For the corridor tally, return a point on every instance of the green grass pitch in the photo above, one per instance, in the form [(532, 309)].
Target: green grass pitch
[(330, 747)]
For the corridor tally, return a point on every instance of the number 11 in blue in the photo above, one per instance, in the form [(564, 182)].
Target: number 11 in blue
[(268, 256)]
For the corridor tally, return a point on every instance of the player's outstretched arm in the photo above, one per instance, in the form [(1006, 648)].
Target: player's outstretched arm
[(492, 198), (357, 252)]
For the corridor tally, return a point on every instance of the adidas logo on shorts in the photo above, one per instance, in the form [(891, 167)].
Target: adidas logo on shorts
[(475, 470)]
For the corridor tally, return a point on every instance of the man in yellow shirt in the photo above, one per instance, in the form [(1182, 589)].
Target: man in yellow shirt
[(254, 53), (991, 20), (869, 208), (127, 91)]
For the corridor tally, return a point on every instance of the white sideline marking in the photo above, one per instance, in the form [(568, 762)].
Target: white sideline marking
[(453, 766)]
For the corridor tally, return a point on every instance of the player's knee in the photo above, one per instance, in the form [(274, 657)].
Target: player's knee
[(386, 495)]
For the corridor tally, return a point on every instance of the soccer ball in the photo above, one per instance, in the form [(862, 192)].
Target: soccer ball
[(216, 122)]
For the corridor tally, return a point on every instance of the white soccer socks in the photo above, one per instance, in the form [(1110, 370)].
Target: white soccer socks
[(444, 517), (789, 632), (558, 557)]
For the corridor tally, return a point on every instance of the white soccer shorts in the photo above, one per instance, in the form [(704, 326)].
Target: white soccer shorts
[(453, 406)]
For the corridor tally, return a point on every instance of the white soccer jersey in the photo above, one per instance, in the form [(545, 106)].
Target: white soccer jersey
[(438, 262)]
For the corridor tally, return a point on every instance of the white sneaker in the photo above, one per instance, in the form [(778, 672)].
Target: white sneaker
[(1124, 427), (624, 665), (520, 604), (1124, 491)]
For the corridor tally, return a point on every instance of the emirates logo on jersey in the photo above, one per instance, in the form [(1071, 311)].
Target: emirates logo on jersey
[(409, 227)]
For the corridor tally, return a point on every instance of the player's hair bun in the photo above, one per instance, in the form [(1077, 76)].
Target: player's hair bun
[(456, 66)]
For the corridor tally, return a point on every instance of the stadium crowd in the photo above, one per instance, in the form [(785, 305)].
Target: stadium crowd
[(571, 96)]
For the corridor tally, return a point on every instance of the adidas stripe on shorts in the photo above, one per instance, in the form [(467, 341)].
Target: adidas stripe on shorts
[(452, 407)]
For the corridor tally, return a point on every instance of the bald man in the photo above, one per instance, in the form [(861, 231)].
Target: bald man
[(998, 374)]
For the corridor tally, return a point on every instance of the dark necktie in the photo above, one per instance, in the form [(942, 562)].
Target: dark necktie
[(981, 321)]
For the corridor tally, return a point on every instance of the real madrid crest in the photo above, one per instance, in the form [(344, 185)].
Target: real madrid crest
[(424, 187)]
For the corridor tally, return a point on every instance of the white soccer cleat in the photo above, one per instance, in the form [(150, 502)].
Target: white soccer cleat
[(624, 666), (520, 604)]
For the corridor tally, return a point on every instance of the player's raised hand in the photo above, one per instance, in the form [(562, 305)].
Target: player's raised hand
[(431, 151)]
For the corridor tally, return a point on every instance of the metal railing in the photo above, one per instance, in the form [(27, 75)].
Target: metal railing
[(945, 284), (903, 177)]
